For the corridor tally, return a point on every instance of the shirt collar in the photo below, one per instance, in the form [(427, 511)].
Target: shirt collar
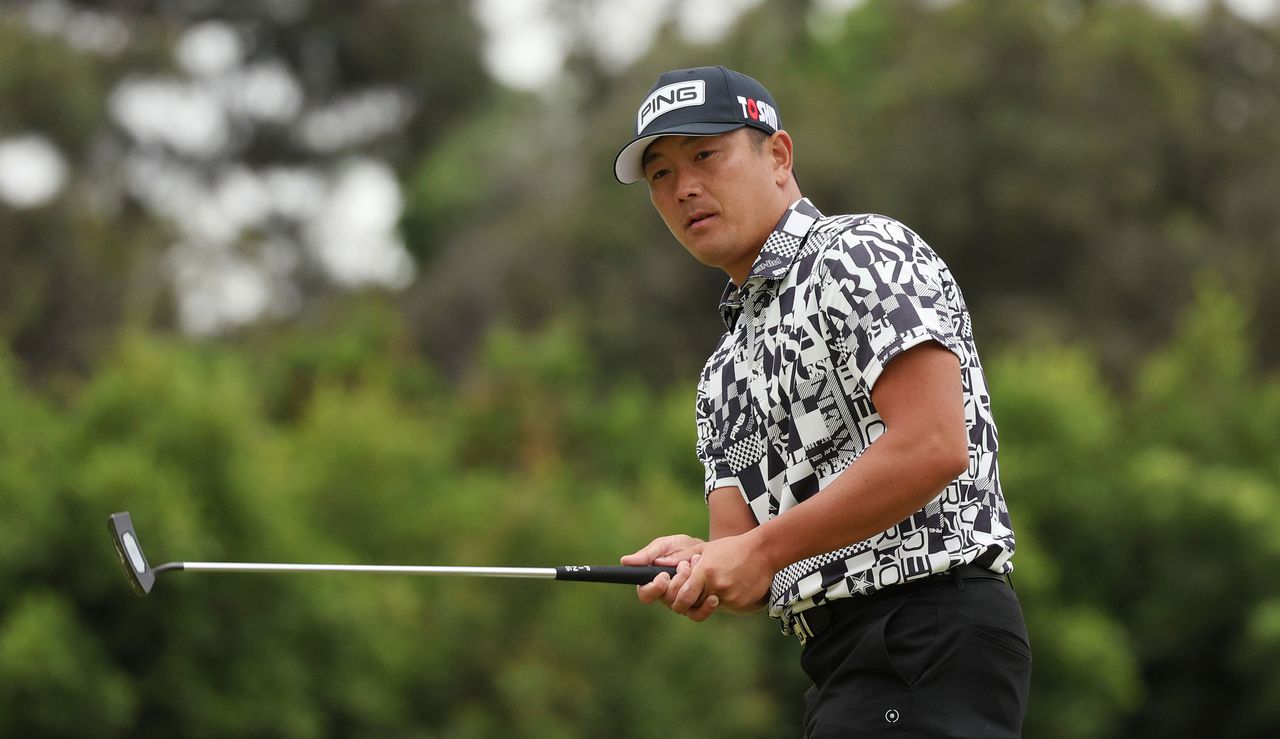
[(776, 256)]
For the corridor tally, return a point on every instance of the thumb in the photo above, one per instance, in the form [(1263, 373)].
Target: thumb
[(644, 555), (688, 553)]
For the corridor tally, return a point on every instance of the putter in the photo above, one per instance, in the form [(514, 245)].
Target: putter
[(142, 576)]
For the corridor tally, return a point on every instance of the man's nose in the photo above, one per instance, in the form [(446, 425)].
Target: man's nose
[(688, 185)]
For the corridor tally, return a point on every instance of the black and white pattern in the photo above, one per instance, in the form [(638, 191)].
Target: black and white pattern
[(784, 402)]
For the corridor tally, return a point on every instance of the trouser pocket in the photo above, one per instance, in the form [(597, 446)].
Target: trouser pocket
[(909, 635)]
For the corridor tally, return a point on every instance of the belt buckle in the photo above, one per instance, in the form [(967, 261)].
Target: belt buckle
[(801, 629)]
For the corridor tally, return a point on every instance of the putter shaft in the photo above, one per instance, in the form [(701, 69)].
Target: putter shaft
[(531, 572)]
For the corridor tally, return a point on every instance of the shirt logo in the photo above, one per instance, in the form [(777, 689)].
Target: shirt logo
[(671, 97), (769, 264)]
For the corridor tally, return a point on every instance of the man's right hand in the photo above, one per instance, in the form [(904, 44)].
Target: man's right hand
[(679, 550)]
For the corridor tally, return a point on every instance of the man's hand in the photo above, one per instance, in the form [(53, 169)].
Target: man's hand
[(730, 571), (726, 573), (681, 551)]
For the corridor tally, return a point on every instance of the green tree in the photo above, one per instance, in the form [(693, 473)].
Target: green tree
[(1147, 528)]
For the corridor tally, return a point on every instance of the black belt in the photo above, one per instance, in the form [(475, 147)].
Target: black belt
[(813, 621)]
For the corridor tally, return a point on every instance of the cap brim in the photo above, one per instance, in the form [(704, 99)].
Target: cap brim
[(628, 166)]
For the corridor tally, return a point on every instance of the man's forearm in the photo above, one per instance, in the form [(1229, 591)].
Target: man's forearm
[(728, 514), (895, 477)]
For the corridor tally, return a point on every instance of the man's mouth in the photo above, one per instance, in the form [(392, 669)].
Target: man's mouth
[(697, 218)]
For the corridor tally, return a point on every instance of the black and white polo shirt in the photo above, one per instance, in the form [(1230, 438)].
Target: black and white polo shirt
[(784, 402)]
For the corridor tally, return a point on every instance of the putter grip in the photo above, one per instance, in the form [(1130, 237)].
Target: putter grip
[(619, 574)]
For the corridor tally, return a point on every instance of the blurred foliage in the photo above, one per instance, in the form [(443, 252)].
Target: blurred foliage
[(97, 259), (1147, 563), (1099, 177), (1072, 161)]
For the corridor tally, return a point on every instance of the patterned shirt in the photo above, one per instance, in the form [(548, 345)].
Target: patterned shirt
[(784, 402)]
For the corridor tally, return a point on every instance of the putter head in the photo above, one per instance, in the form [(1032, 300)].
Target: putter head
[(141, 577)]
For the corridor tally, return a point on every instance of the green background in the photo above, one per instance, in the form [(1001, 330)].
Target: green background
[(1101, 177)]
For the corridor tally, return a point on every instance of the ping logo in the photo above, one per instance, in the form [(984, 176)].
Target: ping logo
[(758, 111), (671, 97)]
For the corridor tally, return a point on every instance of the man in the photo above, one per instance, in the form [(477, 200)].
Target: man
[(846, 433)]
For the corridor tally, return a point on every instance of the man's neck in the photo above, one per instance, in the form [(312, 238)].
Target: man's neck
[(739, 271)]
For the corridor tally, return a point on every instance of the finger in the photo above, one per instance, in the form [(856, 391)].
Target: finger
[(703, 610), (659, 547), (644, 555), (655, 590), (670, 560), (683, 571), (690, 593)]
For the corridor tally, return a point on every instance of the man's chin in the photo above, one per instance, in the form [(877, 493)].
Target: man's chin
[(708, 257)]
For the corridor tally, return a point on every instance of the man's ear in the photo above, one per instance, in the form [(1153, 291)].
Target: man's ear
[(780, 149)]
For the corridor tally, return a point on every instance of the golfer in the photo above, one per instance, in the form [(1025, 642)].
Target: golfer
[(845, 427)]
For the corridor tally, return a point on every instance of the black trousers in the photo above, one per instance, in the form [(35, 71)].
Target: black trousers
[(944, 658)]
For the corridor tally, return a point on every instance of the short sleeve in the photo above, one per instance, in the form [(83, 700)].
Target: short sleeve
[(715, 467), (882, 294)]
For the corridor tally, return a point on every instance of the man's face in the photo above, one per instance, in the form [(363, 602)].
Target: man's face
[(719, 195)]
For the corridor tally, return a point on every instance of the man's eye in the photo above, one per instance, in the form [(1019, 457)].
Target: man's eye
[(705, 153), (657, 175)]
